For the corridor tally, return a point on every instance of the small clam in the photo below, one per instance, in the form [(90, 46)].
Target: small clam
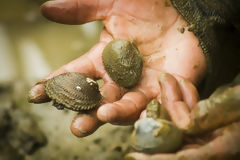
[(123, 62), (73, 91), (155, 136)]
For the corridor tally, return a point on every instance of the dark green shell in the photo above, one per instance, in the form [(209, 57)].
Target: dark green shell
[(73, 91), (123, 62)]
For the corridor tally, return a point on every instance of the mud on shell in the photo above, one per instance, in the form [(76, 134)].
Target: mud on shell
[(123, 62), (155, 136), (73, 91)]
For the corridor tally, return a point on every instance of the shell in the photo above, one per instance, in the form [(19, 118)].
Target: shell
[(123, 62), (155, 136), (153, 109), (73, 91), (156, 110)]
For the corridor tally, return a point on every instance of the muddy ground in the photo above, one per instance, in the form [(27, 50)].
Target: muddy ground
[(42, 132), (30, 48)]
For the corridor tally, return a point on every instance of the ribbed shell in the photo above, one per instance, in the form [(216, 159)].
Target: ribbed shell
[(73, 91)]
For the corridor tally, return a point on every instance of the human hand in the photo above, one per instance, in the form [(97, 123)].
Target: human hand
[(162, 37), (222, 144), (220, 109)]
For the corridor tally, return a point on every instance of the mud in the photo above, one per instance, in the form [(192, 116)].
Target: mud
[(30, 48)]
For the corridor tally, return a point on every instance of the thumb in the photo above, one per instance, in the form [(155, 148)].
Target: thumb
[(76, 11), (142, 156)]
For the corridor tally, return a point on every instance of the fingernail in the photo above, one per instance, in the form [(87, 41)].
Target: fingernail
[(77, 128), (102, 113), (37, 94)]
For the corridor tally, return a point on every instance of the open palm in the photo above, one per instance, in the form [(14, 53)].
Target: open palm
[(164, 41)]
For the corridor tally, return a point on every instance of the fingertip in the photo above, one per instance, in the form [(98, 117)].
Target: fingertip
[(37, 94), (143, 114), (189, 93), (47, 4), (61, 11), (83, 125), (170, 90), (143, 156), (136, 156), (107, 113), (75, 11), (46, 7)]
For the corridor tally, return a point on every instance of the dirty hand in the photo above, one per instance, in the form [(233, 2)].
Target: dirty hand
[(221, 109), (222, 144), (163, 39)]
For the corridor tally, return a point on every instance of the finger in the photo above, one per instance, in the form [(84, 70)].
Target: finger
[(76, 11), (189, 93), (84, 64), (37, 94), (216, 149), (125, 111), (220, 109), (110, 90), (170, 91), (143, 114), (181, 115), (171, 98), (142, 156), (85, 124), (136, 156)]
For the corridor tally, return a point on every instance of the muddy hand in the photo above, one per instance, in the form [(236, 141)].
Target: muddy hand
[(180, 98), (224, 145), (220, 109), (154, 25)]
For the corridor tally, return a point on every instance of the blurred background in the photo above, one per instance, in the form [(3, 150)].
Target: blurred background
[(30, 48)]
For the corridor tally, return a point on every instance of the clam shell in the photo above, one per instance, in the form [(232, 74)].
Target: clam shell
[(155, 136), (123, 62), (73, 91)]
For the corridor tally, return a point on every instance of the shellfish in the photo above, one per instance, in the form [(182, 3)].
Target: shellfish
[(154, 134), (73, 91), (123, 62)]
